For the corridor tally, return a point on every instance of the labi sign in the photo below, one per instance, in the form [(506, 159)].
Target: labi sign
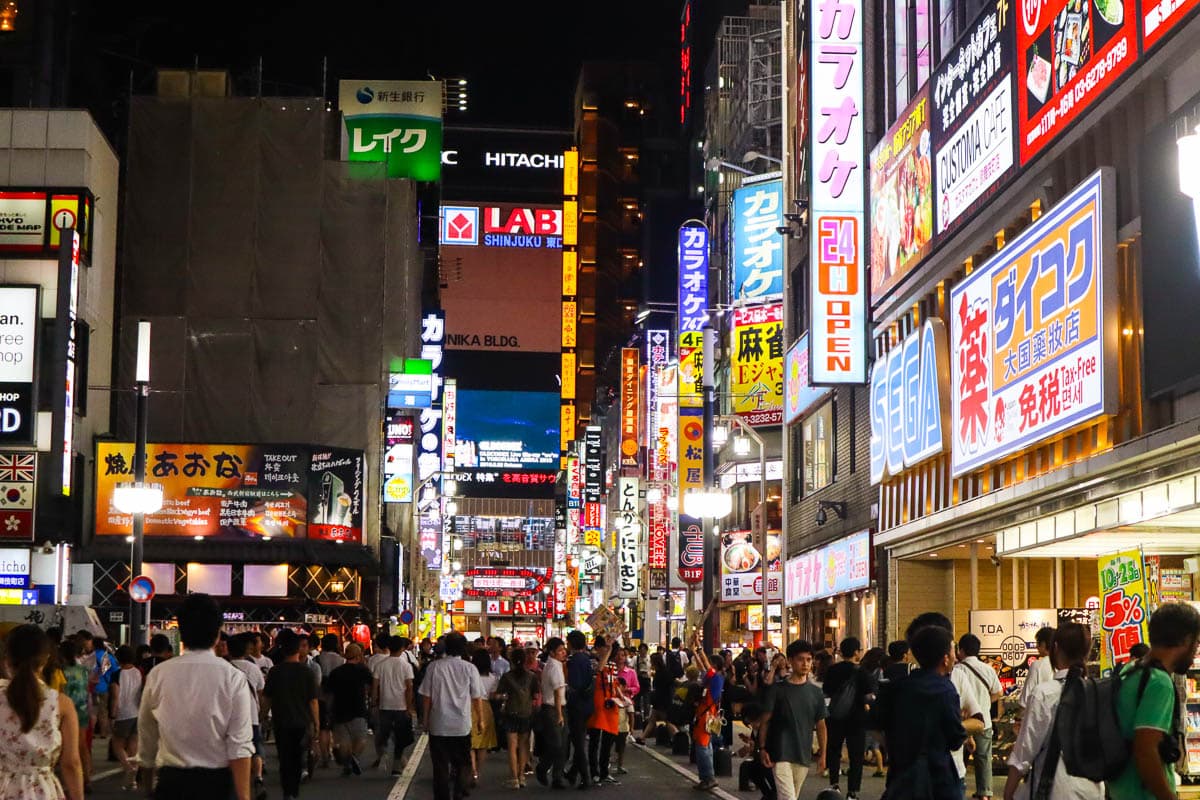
[(398, 123), (19, 312)]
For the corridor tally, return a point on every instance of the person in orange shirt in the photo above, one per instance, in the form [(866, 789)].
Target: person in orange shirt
[(608, 701), (713, 681)]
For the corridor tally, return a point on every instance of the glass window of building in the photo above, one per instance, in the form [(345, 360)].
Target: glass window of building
[(817, 448)]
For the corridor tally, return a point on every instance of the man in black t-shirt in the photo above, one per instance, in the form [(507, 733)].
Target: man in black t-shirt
[(291, 696), (849, 690), (349, 685)]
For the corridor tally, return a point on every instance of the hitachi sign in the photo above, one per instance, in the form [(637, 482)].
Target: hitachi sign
[(533, 160)]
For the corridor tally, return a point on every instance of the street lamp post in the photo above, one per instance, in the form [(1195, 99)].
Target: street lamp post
[(749, 432)]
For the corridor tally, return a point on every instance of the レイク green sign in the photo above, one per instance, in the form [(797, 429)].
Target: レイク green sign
[(395, 122)]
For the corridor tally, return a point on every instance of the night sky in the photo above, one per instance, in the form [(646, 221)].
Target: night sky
[(521, 58)]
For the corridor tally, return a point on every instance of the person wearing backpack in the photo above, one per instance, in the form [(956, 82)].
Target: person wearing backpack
[(921, 718), (581, 688), (848, 688), (677, 659), (1035, 766), (1148, 706), (980, 682)]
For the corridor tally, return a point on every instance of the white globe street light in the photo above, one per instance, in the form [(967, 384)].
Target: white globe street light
[(707, 503), (137, 497)]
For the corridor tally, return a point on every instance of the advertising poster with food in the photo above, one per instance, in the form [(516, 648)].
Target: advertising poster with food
[(230, 491), (1069, 52), (756, 373), (901, 198), (973, 117), (1032, 334), (741, 567)]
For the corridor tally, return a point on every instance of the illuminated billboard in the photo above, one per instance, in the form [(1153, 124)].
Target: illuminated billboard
[(398, 123), (506, 430)]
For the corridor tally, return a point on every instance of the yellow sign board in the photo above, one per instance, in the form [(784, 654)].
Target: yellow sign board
[(570, 226), (570, 323), (570, 274), (568, 376), (691, 369), (571, 172), (1124, 606), (566, 426)]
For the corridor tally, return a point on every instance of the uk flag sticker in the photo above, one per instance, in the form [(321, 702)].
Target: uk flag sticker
[(460, 225)]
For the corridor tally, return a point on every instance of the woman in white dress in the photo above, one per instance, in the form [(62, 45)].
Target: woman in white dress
[(38, 726), (1026, 765)]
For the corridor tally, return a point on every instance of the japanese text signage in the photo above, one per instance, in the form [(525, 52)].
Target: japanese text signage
[(798, 392), (1124, 611), (32, 221), (398, 123), (630, 404), (693, 276), (399, 437), (756, 373), (837, 194), (658, 535), (236, 490), (1069, 53), (495, 226), (505, 581), (14, 568), (910, 399), (629, 539), (756, 217), (691, 369), (515, 608), (901, 198), (691, 476), (1160, 17), (1033, 332), (844, 566), (593, 465), (974, 141), (20, 315), (658, 351), (741, 567), (429, 443)]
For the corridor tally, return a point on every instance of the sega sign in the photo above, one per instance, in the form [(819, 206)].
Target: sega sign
[(910, 390), (494, 226)]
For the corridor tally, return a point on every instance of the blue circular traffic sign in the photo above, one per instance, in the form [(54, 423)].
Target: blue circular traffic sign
[(141, 589), (406, 616)]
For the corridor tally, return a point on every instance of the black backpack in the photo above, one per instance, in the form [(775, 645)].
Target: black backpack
[(843, 704), (674, 664), (1087, 731)]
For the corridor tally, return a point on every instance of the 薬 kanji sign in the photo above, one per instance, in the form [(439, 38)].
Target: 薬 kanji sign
[(1033, 333)]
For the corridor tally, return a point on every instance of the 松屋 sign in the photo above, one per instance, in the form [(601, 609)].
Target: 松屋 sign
[(398, 123), (838, 279), (757, 216), (629, 534), (910, 402), (1033, 332)]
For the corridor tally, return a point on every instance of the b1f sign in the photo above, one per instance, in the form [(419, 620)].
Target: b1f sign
[(838, 286), (19, 317), (910, 391)]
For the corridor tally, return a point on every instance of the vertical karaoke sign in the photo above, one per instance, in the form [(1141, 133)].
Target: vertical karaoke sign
[(838, 287), (693, 318)]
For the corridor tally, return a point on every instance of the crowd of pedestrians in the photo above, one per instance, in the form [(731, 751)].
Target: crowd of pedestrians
[(197, 724)]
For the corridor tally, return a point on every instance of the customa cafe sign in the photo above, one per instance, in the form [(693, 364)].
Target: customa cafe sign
[(1034, 332), (910, 402)]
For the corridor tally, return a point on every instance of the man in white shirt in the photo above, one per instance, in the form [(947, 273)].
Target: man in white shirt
[(328, 660), (553, 739), (195, 719), (241, 649), (450, 690), (1040, 670), (495, 648), (978, 687), (379, 651), (392, 694)]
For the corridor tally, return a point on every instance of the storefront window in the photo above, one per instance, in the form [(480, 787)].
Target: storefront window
[(817, 448)]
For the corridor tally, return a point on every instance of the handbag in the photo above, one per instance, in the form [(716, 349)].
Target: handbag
[(715, 722)]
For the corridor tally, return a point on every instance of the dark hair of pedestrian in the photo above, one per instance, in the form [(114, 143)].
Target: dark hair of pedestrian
[(159, 643), (850, 645), (657, 662), (930, 645), (125, 654), (676, 643), (717, 661), (26, 650), (1138, 651), (552, 644), (288, 643), (314, 641), (751, 712), (797, 647), (970, 645), (1070, 647), (516, 659), (200, 621), (238, 646), (1174, 624), (482, 662), (394, 644), (455, 644), (924, 620), (873, 659), (1045, 635), (405, 642), (576, 640), (329, 643)]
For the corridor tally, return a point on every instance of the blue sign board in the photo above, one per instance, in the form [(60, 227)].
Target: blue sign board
[(757, 263), (910, 394), (14, 581), (693, 276)]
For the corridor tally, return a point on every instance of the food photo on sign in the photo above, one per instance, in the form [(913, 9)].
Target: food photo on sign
[(901, 198), (741, 566)]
